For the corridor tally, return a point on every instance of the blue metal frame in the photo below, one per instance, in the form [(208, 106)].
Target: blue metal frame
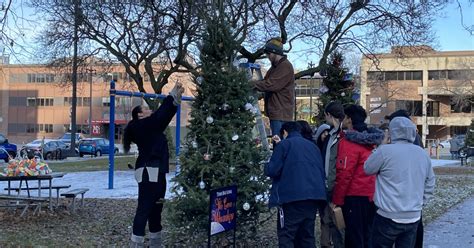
[(114, 93)]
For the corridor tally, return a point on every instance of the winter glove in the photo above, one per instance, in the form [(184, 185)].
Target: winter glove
[(176, 93)]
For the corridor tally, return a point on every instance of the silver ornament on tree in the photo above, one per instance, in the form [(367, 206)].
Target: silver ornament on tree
[(246, 206), (235, 137), (343, 93), (209, 120), (194, 144), (232, 169), (202, 185)]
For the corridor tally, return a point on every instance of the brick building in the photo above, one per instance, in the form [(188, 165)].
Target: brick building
[(435, 87), (36, 101)]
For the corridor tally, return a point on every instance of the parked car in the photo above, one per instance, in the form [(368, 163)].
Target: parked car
[(6, 149), (445, 144), (95, 146), (52, 149), (66, 138)]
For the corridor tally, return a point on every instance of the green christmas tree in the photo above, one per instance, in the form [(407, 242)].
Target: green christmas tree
[(221, 149), (470, 135), (337, 85)]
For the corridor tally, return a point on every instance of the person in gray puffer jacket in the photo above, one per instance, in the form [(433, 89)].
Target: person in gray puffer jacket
[(405, 181)]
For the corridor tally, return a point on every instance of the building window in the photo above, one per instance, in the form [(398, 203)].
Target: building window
[(394, 75), (35, 102), (16, 128), (30, 102), (417, 75), (413, 107), (391, 75), (31, 128), (461, 74), (86, 101), (432, 109), (457, 130), (438, 75), (31, 78), (67, 101), (461, 105), (375, 76), (80, 101), (105, 101), (48, 128)]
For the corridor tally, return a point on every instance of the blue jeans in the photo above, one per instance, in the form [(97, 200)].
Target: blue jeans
[(386, 232), (276, 126)]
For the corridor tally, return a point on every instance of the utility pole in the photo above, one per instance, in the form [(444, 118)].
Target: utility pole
[(311, 80), (74, 77), (90, 100)]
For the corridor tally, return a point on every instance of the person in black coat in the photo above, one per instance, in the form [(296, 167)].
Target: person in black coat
[(146, 131)]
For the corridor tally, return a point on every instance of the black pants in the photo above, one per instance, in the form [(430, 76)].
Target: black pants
[(387, 232), (419, 234), (148, 209), (298, 227), (358, 215)]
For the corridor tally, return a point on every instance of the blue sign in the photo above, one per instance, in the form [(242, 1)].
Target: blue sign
[(223, 209)]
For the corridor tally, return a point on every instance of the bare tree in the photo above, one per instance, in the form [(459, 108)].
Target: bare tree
[(137, 34), (367, 26)]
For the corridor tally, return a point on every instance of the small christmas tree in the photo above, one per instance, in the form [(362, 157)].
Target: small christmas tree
[(221, 149), (470, 135), (338, 85)]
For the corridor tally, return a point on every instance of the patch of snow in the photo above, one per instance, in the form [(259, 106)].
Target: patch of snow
[(125, 185)]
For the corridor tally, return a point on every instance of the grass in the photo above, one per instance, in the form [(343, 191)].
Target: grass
[(99, 164), (107, 222)]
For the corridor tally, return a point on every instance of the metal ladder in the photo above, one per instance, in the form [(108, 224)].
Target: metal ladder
[(251, 70)]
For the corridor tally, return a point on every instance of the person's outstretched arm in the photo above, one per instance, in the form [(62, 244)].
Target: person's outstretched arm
[(161, 118)]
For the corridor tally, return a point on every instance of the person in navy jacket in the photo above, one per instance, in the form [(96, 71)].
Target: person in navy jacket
[(298, 187), (146, 130)]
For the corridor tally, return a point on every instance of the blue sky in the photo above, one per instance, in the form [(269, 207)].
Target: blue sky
[(451, 35)]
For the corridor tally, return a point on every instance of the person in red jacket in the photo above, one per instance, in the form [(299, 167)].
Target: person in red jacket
[(354, 190)]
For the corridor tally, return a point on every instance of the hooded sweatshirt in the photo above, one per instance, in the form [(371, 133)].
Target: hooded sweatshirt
[(405, 178)]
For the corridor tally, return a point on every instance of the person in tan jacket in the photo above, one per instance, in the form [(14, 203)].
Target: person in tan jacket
[(278, 86)]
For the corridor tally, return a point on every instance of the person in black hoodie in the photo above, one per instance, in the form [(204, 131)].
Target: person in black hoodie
[(146, 131)]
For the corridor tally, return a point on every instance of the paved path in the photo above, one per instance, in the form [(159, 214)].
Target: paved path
[(453, 229)]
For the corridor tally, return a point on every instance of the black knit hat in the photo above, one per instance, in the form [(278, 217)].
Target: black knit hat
[(274, 45)]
